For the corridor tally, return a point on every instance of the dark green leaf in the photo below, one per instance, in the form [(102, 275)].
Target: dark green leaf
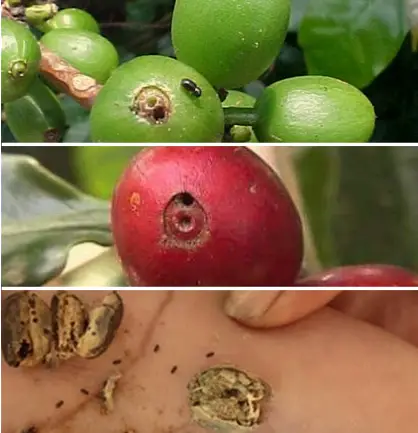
[(78, 121), (362, 203), (6, 134), (42, 218), (354, 40), (140, 11)]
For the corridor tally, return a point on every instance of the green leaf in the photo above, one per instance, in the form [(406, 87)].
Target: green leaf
[(353, 40), (362, 203), (42, 218), (98, 168), (140, 11), (78, 121)]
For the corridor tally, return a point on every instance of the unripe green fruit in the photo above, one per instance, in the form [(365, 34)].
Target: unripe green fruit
[(36, 117), (229, 42), (240, 99), (90, 53), (145, 101), (313, 109), (71, 18), (20, 58)]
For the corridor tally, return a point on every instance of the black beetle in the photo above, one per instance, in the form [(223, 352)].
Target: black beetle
[(191, 87)]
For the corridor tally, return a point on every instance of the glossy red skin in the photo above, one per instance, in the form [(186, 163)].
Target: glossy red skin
[(362, 276), (251, 232)]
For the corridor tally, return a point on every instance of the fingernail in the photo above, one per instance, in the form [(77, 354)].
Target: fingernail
[(249, 304)]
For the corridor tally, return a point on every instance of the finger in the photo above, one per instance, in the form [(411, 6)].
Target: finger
[(327, 374), (395, 311), (267, 309)]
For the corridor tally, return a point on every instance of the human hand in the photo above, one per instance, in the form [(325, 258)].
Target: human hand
[(328, 373)]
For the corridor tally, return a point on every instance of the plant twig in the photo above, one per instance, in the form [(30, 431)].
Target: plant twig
[(240, 116), (82, 88)]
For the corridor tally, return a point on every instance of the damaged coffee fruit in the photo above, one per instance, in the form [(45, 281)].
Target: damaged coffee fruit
[(90, 53), (227, 399), (71, 18), (205, 216), (150, 99), (313, 109), (37, 117), (20, 58), (35, 333), (374, 275), (229, 42)]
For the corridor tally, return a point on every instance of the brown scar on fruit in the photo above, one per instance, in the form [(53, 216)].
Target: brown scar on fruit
[(151, 104), (135, 202), (107, 392), (226, 398)]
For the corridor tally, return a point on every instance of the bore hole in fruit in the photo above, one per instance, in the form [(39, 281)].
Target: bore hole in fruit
[(24, 350), (185, 199), (151, 104), (185, 223), (159, 114)]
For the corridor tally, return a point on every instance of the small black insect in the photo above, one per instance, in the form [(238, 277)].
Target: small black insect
[(191, 87)]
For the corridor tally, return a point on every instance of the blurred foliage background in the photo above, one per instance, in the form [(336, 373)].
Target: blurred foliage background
[(366, 43)]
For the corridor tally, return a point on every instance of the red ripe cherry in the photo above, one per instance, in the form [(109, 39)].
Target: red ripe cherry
[(362, 276), (205, 216)]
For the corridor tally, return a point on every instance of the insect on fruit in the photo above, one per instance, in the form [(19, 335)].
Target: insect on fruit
[(191, 87)]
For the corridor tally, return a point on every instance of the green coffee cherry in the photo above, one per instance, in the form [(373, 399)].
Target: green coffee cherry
[(20, 58), (36, 117), (156, 99), (229, 42), (71, 18), (90, 53), (240, 133), (313, 109)]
